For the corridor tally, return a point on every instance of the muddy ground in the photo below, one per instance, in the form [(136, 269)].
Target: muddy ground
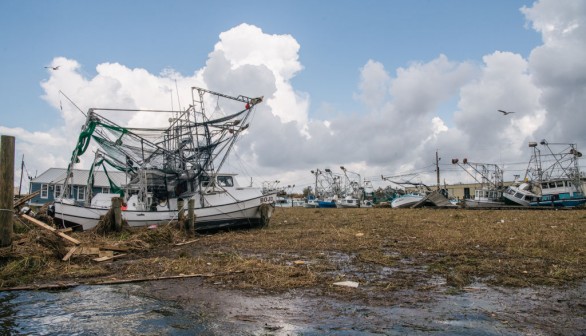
[(418, 271)]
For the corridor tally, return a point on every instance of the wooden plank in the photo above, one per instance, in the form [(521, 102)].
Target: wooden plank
[(187, 242), (70, 253), (101, 259), (52, 229), (87, 251), (114, 248), (106, 254), (25, 199)]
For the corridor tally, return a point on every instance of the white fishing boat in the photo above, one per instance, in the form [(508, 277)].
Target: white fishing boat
[(561, 183), (167, 164), (407, 200), (485, 198), (490, 193), (557, 185), (523, 194), (349, 202)]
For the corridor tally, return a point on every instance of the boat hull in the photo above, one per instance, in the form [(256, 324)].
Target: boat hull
[(406, 201), (245, 212), (519, 195), (562, 203), (471, 203)]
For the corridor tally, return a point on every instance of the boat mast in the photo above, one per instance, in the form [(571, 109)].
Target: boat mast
[(75, 156), (203, 144)]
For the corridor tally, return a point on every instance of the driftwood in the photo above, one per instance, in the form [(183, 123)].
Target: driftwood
[(115, 282), (110, 257), (187, 242), (52, 229), (70, 253), (25, 199)]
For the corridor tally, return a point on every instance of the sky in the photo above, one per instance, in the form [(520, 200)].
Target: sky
[(375, 86)]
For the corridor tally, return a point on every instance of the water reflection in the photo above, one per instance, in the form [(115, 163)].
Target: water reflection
[(94, 310)]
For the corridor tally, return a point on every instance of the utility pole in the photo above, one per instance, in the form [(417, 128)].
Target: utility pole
[(437, 170), (21, 171), (6, 189)]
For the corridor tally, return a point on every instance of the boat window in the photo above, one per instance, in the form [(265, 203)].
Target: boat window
[(552, 184), (519, 195), (205, 181), (225, 181), (559, 184)]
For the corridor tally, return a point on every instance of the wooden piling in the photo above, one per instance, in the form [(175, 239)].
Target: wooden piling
[(265, 214), (116, 207), (6, 189), (181, 214), (190, 223)]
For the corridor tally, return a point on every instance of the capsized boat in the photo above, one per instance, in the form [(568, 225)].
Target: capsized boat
[(166, 165)]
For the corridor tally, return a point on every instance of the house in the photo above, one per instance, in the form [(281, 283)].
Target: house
[(50, 184)]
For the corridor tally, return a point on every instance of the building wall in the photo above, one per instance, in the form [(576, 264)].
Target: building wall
[(77, 192)]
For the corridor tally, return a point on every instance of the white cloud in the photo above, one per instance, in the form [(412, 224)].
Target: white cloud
[(559, 69), (398, 128)]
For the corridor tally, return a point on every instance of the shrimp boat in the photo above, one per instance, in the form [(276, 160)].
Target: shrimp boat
[(490, 193), (168, 166), (560, 182)]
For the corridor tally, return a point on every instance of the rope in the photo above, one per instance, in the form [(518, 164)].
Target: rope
[(11, 210)]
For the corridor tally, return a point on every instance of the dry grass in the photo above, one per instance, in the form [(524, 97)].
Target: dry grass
[(382, 249)]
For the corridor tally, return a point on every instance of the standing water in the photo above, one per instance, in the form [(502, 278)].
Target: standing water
[(94, 310)]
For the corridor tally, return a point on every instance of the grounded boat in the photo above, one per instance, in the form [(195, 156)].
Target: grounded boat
[(169, 164), (288, 202), (560, 182), (349, 202), (407, 200), (557, 185), (520, 195), (560, 193), (490, 194), (485, 198)]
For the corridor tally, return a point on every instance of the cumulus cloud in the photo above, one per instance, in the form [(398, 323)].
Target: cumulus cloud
[(558, 67), (397, 128)]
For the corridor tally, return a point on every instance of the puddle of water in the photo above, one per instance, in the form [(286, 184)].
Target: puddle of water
[(93, 310), (187, 308)]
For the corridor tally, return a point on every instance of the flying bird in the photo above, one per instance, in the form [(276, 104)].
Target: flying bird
[(505, 112), (53, 68)]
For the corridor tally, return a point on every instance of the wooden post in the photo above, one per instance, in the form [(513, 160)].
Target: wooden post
[(181, 213), (6, 189), (190, 223), (116, 207), (52, 229), (265, 214)]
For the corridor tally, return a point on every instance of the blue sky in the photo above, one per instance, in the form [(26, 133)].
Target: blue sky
[(336, 38), (376, 86)]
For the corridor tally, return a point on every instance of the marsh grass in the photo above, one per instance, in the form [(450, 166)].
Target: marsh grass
[(383, 249)]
